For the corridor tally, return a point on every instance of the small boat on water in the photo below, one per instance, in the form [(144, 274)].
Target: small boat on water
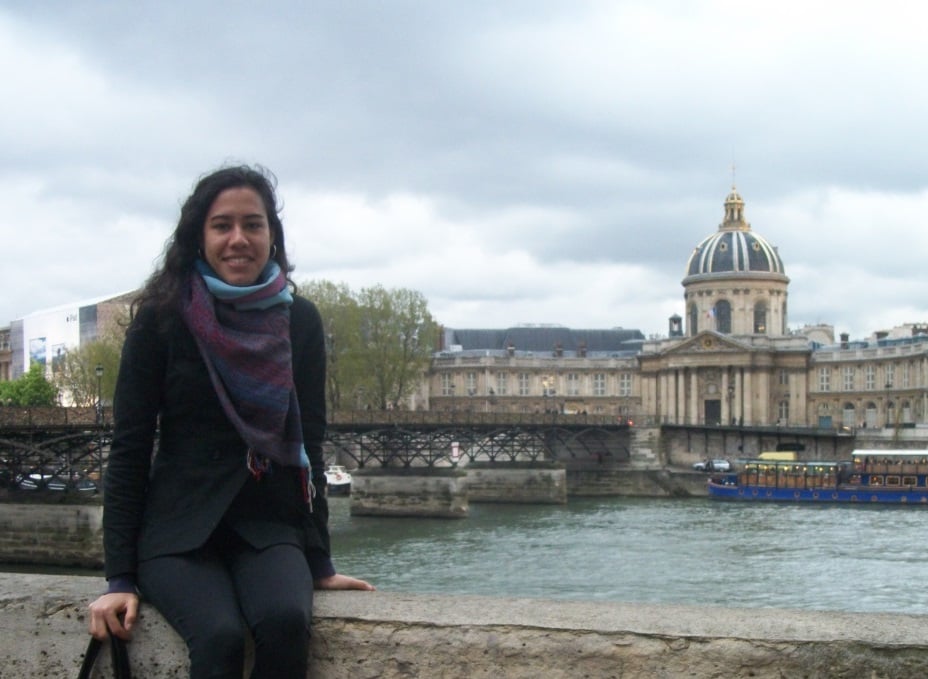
[(870, 477), (338, 480)]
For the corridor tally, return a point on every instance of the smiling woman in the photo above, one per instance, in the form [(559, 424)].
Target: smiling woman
[(227, 526), (237, 239)]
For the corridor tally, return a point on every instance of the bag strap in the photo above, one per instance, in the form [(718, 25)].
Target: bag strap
[(90, 657), (118, 653)]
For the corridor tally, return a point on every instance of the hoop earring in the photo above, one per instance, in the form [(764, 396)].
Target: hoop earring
[(273, 250)]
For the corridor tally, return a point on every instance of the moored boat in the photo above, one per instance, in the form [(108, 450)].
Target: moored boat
[(870, 477), (338, 480)]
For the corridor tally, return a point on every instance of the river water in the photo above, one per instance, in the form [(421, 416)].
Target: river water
[(679, 551)]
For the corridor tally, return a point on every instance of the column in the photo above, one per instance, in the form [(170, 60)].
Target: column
[(747, 397), (694, 397)]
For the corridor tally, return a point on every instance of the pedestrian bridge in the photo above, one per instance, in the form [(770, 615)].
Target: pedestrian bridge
[(394, 438), (65, 448)]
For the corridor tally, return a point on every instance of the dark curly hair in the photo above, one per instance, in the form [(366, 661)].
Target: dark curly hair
[(165, 288)]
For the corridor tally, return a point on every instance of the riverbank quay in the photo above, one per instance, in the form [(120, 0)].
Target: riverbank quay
[(43, 622), (45, 529)]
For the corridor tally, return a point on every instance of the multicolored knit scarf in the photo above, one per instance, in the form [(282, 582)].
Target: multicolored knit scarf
[(243, 333)]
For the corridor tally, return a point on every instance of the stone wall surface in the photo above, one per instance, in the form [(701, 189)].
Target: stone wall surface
[(53, 534), (362, 635), (405, 494), (530, 486), (635, 483)]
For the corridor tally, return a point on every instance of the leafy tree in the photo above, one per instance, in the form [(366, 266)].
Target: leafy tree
[(340, 316), (398, 333), (76, 374), (32, 389), (378, 343)]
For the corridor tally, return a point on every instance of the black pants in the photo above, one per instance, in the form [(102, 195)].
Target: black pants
[(210, 595)]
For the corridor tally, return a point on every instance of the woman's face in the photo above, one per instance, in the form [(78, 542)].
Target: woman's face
[(237, 237)]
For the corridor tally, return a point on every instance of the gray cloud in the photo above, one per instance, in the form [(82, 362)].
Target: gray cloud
[(501, 158)]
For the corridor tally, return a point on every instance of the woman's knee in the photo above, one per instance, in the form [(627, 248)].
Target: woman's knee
[(216, 649), (283, 622)]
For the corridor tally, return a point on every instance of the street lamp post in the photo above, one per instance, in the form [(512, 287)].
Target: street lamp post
[(99, 373), (548, 393)]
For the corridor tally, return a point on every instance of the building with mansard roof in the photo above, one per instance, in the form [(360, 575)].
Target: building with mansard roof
[(730, 359)]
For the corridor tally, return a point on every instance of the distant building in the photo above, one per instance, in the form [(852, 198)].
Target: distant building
[(44, 336), (536, 368), (734, 362), (6, 356)]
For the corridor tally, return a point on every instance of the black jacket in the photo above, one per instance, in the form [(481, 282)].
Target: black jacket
[(170, 502)]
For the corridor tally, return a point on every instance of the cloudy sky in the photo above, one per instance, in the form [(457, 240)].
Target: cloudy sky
[(529, 161)]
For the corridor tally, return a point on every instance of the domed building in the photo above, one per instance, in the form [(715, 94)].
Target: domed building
[(736, 363), (730, 360), (735, 281)]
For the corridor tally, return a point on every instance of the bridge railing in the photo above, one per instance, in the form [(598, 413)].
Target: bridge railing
[(87, 416), (11, 417), (466, 418)]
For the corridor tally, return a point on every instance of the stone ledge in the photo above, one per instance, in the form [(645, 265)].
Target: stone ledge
[(358, 634)]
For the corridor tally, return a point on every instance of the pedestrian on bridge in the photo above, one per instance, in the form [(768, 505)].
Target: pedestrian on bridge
[(224, 528)]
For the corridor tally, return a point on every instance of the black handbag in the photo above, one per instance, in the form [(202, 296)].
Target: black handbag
[(118, 652)]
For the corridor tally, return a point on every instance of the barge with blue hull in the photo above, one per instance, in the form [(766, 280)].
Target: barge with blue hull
[(870, 477)]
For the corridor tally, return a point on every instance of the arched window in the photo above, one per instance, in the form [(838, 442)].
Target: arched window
[(722, 312), (760, 318), (694, 320)]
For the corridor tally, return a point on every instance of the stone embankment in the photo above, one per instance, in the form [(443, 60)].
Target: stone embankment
[(392, 636)]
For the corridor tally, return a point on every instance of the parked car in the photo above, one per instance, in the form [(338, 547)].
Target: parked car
[(48, 479), (713, 465)]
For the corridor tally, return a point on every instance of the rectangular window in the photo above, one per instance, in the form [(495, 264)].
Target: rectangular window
[(905, 376), (599, 384), (890, 375), (470, 383), (502, 384), (447, 384), (783, 412), (849, 374), (869, 378), (625, 384), (523, 384), (573, 384), (824, 379), (784, 378)]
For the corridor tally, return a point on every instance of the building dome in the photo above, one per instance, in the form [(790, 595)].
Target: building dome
[(734, 248)]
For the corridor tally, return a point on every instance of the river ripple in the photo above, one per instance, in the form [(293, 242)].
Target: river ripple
[(680, 551)]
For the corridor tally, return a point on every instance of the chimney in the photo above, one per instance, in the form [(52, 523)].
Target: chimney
[(844, 338)]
